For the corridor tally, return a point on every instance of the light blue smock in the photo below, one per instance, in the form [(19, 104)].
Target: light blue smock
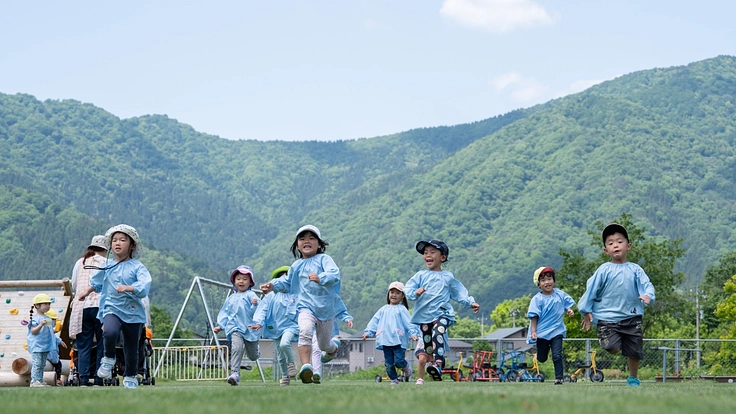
[(276, 313), (321, 299), (44, 340), (439, 287), (392, 326), (127, 306), (236, 315), (550, 311), (612, 293)]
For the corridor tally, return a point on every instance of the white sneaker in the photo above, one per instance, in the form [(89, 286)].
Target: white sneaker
[(285, 381), (130, 382), (329, 356), (105, 370), (38, 384)]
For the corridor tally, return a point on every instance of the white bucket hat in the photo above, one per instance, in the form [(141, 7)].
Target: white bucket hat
[(130, 231), (99, 241)]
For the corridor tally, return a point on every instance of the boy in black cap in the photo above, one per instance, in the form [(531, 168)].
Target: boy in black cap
[(615, 298), (432, 289)]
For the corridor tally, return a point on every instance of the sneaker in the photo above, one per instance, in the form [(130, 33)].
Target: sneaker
[(234, 379), (292, 369), (435, 372), (38, 384), (407, 372), (316, 377), (420, 381), (105, 371), (306, 373), (395, 382), (558, 382), (633, 382), (285, 381), (329, 356), (130, 382)]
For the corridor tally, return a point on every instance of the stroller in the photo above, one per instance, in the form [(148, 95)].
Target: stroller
[(73, 378)]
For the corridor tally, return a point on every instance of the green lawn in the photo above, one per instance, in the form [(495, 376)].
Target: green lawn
[(370, 397)]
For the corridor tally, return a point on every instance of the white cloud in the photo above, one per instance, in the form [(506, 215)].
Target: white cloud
[(496, 15), (519, 88)]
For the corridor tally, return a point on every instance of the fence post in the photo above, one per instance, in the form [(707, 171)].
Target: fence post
[(677, 356)]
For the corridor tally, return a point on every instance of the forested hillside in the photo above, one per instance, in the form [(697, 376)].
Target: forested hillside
[(506, 193)]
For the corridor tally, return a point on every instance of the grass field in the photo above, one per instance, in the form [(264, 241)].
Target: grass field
[(355, 397)]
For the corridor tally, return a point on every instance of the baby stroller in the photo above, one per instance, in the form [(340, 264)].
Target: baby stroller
[(73, 379), (145, 350)]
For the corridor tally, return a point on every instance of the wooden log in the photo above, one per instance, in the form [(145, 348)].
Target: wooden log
[(9, 379), (22, 366)]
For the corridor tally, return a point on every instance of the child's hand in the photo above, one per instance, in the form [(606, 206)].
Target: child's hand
[(475, 306), (265, 288), (313, 277), (43, 322), (254, 327), (349, 323), (414, 338), (63, 344), (570, 313), (587, 319), (534, 336), (420, 291), (216, 329), (124, 288), (365, 335), (646, 299), (254, 301)]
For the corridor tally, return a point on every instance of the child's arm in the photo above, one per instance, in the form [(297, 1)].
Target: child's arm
[(459, 293), (534, 321), (330, 272), (36, 329)]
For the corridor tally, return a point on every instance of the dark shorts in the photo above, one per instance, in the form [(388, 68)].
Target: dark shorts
[(625, 335)]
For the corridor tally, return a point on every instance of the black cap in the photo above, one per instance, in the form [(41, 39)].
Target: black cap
[(614, 228), (438, 244)]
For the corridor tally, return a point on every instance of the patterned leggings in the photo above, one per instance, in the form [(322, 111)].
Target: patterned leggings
[(433, 337)]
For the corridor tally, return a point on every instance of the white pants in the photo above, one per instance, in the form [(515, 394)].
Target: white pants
[(308, 323)]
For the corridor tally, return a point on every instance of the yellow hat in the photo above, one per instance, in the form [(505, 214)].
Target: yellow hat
[(41, 298), (538, 272), (52, 314)]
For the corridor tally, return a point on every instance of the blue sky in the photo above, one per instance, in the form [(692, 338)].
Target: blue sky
[(342, 69)]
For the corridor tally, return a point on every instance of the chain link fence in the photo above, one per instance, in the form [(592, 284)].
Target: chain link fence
[(668, 359)]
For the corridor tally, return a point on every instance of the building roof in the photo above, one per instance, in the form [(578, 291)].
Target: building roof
[(504, 333)]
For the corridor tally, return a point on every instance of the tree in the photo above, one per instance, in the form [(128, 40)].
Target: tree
[(656, 257), (713, 292), (511, 313), (465, 328)]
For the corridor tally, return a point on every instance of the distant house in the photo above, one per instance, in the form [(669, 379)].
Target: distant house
[(509, 339)]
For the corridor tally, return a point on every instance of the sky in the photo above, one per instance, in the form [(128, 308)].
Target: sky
[(342, 69)]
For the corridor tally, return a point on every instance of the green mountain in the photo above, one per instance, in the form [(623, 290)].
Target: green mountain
[(506, 193)]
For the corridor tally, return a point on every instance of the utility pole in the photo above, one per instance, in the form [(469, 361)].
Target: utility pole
[(698, 316), (482, 330), (514, 312)]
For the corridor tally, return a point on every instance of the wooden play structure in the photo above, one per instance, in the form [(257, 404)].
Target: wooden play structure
[(16, 298)]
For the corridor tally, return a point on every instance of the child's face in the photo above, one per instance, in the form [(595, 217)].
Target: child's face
[(121, 245), (617, 247), (546, 283), (43, 307), (242, 282), (433, 258), (308, 244), (395, 296)]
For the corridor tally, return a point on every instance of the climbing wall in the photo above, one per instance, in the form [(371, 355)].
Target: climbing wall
[(16, 298)]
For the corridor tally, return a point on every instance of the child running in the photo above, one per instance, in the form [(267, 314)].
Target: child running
[(277, 314), (315, 279), (432, 289), (53, 356), (235, 319), (546, 312), (614, 300), (123, 283), (40, 337), (392, 326)]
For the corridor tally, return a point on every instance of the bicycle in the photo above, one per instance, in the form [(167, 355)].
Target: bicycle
[(533, 375), (595, 374)]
